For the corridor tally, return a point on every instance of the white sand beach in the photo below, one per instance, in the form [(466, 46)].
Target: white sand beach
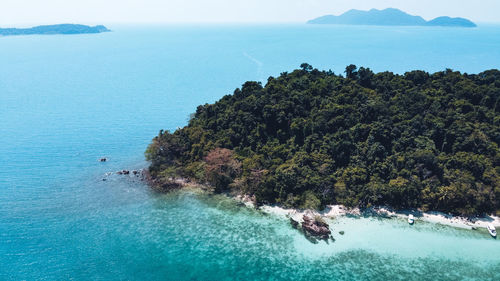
[(333, 211)]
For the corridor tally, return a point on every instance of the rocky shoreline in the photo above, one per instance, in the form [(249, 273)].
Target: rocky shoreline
[(298, 217)]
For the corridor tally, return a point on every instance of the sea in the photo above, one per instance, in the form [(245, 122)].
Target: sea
[(67, 100)]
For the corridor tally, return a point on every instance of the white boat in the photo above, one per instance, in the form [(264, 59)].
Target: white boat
[(411, 219), (492, 230)]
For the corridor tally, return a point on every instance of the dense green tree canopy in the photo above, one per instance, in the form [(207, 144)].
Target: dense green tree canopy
[(310, 138)]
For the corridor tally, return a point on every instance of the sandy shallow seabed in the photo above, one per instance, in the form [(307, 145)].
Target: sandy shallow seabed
[(333, 211)]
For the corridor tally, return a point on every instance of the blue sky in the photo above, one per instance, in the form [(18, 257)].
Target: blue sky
[(24, 12)]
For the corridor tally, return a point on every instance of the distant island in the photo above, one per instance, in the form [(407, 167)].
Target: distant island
[(311, 138), (391, 17), (54, 29)]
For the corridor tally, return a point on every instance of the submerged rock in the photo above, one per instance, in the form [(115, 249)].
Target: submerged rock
[(316, 227), (295, 224), (341, 232)]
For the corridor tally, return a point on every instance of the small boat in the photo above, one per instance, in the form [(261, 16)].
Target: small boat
[(492, 230), (411, 219)]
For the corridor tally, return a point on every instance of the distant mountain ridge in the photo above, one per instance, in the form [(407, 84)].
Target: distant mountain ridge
[(54, 29), (389, 16)]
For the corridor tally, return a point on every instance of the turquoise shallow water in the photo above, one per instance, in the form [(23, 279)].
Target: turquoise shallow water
[(67, 100)]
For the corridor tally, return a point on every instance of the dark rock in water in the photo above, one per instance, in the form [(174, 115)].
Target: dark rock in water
[(316, 227), (312, 239), (341, 232), (119, 173), (295, 224), (104, 159), (126, 172), (135, 172)]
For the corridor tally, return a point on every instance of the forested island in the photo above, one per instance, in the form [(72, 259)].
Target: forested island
[(389, 16), (54, 29), (309, 138)]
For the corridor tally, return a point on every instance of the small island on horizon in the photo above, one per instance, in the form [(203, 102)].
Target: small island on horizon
[(54, 29), (389, 17)]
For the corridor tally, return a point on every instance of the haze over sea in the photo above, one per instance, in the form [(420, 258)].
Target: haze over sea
[(68, 100)]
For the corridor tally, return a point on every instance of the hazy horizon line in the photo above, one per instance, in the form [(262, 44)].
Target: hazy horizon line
[(31, 24), (162, 22)]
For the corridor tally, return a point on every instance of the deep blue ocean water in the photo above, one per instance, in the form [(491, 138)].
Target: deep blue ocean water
[(65, 101)]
